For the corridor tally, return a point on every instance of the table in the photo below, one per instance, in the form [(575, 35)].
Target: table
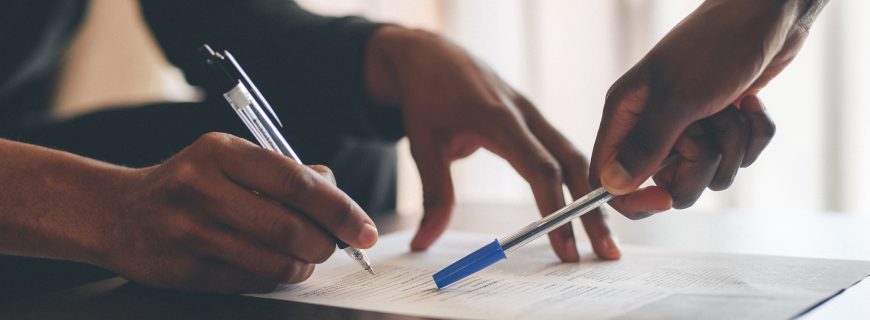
[(820, 235)]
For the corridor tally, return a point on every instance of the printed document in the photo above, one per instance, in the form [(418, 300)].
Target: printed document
[(647, 283)]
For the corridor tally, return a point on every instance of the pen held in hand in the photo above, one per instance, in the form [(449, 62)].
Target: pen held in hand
[(500, 248), (248, 103)]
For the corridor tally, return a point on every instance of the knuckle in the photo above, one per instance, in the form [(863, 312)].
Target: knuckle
[(721, 184), (186, 175), (769, 128), (216, 145), (549, 170), (640, 143), (729, 123), (577, 158), (625, 86), (212, 142), (296, 182), (499, 114), (683, 201), (182, 229), (286, 232), (577, 167), (211, 138), (321, 169), (325, 172), (741, 122)]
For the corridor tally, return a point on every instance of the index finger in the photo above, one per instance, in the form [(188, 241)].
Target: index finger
[(299, 187), (575, 170), (514, 142)]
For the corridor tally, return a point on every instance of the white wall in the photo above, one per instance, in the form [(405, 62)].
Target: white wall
[(564, 54)]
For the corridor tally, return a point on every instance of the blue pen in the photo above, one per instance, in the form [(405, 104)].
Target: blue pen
[(500, 248)]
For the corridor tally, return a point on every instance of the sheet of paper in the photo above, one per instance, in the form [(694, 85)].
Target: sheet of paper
[(645, 284)]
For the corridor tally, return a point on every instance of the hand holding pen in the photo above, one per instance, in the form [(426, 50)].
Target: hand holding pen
[(250, 105), (500, 248), (192, 224)]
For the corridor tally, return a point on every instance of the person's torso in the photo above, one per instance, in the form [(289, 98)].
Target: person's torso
[(34, 35)]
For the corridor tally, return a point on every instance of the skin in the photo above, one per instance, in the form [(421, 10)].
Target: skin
[(454, 105), (695, 94), (191, 223)]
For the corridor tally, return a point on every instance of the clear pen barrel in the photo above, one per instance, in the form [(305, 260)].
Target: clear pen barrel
[(258, 122), (549, 223)]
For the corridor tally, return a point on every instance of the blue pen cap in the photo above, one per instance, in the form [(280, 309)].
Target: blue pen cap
[(474, 262)]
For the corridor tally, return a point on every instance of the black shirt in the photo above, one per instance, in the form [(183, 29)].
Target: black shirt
[(310, 68), (310, 64)]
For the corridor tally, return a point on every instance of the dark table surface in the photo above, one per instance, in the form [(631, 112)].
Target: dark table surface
[(119, 299), (823, 235)]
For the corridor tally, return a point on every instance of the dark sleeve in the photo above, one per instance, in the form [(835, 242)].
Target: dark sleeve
[(309, 67)]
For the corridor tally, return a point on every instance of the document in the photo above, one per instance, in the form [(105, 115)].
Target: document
[(647, 283)]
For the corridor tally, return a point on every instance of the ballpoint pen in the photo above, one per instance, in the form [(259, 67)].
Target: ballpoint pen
[(500, 248), (247, 101)]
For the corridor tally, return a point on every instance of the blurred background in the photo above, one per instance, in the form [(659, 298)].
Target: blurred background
[(563, 54)]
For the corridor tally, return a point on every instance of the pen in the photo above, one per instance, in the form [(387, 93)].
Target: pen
[(500, 248), (248, 103)]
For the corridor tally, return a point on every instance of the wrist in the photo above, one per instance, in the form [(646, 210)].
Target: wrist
[(110, 186), (66, 208), (390, 54)]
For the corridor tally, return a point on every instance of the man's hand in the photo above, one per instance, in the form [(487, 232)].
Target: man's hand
[(694, 94), (195, 223), (453, 105)]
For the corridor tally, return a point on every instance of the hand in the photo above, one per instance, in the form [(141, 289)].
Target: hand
[(452, 106), (193, 223), (703, 76)]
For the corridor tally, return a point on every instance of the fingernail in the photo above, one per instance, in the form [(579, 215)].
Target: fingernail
[(416, 244), (570, 249), (609, 249), (368, 235), (615, 178)]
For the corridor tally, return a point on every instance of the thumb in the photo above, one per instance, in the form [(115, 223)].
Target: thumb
[(636, 134), (438, 197)]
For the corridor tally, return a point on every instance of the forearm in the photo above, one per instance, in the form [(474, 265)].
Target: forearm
[(51, 202), (398, 56)]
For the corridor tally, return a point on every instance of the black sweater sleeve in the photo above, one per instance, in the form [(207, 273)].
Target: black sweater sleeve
[(309, 67)]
